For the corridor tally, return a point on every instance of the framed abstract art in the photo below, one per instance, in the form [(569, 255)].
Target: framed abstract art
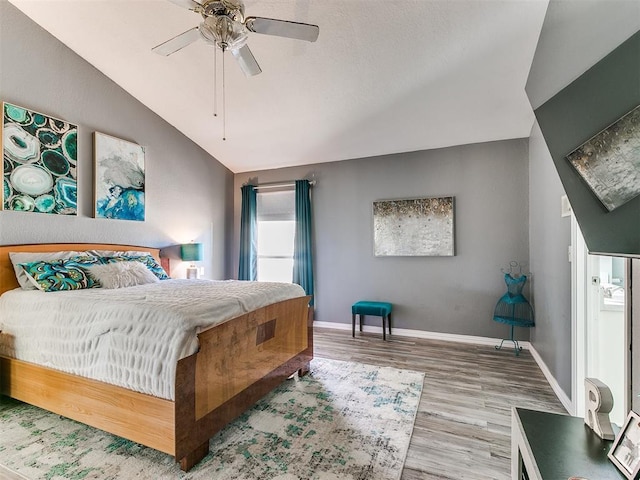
[(39, 168), (414, 227), (119, 175), (609, 162)]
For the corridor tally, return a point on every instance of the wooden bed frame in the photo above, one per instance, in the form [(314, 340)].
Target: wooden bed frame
[(238, 362)]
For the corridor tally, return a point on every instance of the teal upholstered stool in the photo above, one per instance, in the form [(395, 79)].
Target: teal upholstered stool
[(380, 309)]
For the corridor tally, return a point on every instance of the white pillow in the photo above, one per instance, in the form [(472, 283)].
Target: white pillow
[(122, 274), (28, 257)]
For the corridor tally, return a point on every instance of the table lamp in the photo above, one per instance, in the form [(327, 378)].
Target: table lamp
[(191, 252)]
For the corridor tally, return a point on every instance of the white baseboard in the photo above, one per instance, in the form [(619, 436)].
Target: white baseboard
[(564, 399), (405, 332), (452, 337)]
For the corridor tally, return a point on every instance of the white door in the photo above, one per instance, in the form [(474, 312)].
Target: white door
[(606, 329), (600, 326)]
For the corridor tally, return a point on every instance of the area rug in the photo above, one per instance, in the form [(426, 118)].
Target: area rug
[(342, 421)]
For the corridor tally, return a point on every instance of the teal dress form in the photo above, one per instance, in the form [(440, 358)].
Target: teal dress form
[(513, 308)]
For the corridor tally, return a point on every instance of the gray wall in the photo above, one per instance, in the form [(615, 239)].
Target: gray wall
[(439, 294), (575, 35), (549, 239), (187, 190), (599, 97)]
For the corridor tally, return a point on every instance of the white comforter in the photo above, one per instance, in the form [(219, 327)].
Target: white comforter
[(132, 337)]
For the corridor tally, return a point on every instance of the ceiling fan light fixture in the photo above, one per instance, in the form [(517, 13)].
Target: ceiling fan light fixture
[(223, 32), (225, 26), (231, 8)]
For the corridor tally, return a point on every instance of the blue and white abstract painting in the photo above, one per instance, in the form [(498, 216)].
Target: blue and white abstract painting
[(119, 178)]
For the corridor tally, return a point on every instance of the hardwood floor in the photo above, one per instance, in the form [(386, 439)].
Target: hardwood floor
[(463, 425), (6, 474)]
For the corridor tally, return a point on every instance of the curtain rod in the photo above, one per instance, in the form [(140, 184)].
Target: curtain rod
[(281, 184)]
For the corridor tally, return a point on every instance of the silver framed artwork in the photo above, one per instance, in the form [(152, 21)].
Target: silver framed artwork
[(625, 451), (39, 170), (609, 162), (119, 178), (414, 227)]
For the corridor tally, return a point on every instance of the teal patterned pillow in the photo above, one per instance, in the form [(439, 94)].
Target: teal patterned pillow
[(147, 260), (58, 275)]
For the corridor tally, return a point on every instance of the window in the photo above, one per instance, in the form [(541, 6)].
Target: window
[(276, 231)]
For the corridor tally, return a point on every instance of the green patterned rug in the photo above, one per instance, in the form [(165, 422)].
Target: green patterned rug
[(343, 421)]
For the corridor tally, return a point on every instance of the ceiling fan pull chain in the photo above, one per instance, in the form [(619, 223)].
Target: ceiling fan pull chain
[(224, 103), (215, 83)]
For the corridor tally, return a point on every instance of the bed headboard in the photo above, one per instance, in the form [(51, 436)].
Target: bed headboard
[(7, 275)]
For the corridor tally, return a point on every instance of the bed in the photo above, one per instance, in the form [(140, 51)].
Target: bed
[(237, 362)]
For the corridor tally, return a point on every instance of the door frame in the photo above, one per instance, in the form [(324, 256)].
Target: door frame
[(578, 255), (579, 310), (633, 311)]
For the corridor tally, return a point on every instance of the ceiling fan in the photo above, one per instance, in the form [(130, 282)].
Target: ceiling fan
[(225, 26)]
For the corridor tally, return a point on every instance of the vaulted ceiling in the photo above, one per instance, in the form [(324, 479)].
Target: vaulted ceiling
[(383, 77)]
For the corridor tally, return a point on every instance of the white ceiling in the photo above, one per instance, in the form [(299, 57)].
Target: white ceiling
[(384, 76)]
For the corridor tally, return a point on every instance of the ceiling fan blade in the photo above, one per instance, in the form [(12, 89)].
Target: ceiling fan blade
[(178, 42), (247, 61), (188, 4), (283, 28)]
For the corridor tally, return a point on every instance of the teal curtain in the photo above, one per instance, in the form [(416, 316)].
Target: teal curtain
[(248, 269), (302, 248)]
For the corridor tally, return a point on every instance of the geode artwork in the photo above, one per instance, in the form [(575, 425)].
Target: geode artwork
[(609, 162), (39, 162), (414, 227), (119, 178)]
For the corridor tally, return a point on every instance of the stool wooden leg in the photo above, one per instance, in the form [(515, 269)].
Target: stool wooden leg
[(384, 328), (361, 317), (353, 324), (389, 323)]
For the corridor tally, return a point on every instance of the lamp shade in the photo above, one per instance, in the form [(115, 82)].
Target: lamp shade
[(191, 252)]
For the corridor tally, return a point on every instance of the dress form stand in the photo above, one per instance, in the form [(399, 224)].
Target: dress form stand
[(513, 308)]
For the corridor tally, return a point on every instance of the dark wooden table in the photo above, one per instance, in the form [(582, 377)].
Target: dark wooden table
[(548, 446)]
